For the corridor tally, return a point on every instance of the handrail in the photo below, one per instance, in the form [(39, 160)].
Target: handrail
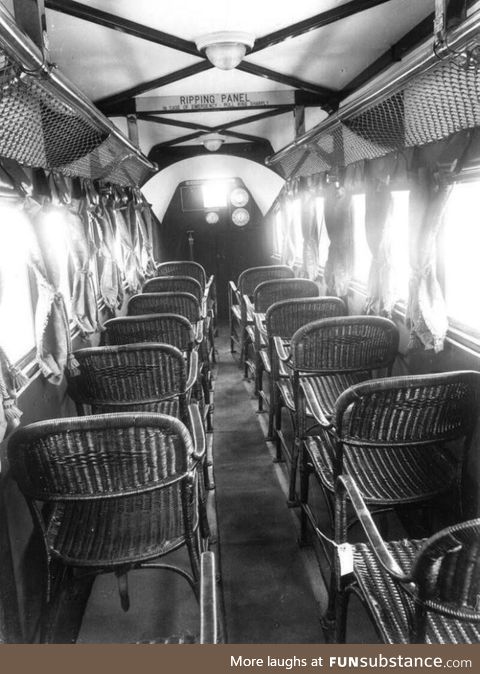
[(384, 85), (23, 50)]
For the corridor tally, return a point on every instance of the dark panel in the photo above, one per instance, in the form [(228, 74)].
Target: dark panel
[(165, 156)]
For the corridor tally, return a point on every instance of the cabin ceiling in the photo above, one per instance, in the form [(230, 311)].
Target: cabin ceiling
[(334, 48)]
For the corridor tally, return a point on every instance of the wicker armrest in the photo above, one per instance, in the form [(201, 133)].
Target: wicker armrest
[(209, 284), (198, 432), (199, 332), (208, 599), (313, 404), (193, 371), (345, 483), (282, 352), (234, 291), (260, 330), (249, 308)]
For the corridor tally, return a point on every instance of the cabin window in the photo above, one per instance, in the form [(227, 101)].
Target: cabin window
[(214, 194), (16, 314), (400, 243), (296, 214), (278, 234), (57, 235), (461, 245), (324, 241), (362, 255)]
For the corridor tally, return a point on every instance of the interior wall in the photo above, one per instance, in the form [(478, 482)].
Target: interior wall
[(263, 183)]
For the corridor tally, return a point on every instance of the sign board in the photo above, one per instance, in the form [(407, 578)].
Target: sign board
[(220, 101)]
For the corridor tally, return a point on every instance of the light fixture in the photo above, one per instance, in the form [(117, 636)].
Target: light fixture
[(212, 141), (225, 49)]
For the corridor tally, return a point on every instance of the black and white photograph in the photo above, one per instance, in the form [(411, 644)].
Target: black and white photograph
[(239, 328)]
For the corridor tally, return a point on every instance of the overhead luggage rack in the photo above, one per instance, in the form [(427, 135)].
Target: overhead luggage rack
[(429, 97), (47, 123)]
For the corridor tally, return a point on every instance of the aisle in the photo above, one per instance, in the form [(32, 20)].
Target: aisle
[(271, 587)]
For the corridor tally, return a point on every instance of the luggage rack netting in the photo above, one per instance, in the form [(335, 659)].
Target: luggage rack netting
[(429, 107), (41, 131)]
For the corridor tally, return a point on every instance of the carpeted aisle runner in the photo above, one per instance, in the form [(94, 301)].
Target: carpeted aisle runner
[(268, 592)]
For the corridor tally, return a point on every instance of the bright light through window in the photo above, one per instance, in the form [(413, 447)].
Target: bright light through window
[(462, 243), (399, 243), (16, 315), (362, 254), (278, 232), (215, 194), (55, 225), (324, 242), (295, 212)]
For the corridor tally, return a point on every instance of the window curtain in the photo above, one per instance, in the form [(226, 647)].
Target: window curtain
[(126, 231), (145, 226), (426, 312), (52, 330), (78, 220), (111, 287), (378, 222), (310, 228), (433, 168), (339, 224), (11, 380), (288, 252)]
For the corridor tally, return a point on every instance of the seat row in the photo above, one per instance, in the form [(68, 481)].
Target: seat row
[(371, 440), (125, 482)]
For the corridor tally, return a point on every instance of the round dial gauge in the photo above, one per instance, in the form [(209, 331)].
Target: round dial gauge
[(240, 217), (239, 197), (212, 218)]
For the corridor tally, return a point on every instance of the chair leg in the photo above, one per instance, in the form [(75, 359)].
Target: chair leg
[(259, 382), (278, 426), (271, 409), (292, 496), (341, 609), (304, 489), (122, 581)]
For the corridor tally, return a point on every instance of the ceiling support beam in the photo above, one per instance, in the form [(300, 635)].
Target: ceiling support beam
[(314, 22), (107, 103), (260, 71), (118, 23)]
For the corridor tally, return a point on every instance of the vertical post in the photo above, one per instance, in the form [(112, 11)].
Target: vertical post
[(30, 17), (299, 117), (132, 126)]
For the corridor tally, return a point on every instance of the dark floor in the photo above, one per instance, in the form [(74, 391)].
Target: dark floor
[(272, 590)]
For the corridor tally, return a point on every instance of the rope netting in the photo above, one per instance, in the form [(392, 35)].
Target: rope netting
[(41, 131), (431, 106)]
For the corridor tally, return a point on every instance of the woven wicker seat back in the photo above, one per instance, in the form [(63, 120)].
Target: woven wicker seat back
[(284, 318), (407, 410), (250, 278), (345, 344), (174, 284), (183, 304), (133, 373), (183, 268), (100, 455), (268, 292), (447, 571), (167, 328)]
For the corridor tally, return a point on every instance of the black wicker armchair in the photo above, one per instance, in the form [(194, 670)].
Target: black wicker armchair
[(174, 284), (415, 591), (327, 357), (282, 320), (239, 315), (110, 493), (264, 295)]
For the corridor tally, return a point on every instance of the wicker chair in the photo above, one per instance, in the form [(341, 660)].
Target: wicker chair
[(246, 284), (174, 284), (327, 357), (416, 591), (118, 492), (196, 271), (147, 377), (264, 295), (282, 320)]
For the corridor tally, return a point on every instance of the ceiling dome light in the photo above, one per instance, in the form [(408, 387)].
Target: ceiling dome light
[(225, 49), (212, 141)]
